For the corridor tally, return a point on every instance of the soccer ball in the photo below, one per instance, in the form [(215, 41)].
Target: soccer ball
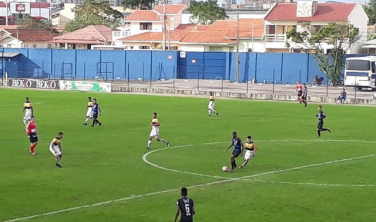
[(224, 168)]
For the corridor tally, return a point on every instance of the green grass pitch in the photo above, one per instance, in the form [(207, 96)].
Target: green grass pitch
[(294, 177)]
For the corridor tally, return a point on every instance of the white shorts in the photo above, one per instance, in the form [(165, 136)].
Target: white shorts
[(28, 114), (89, 112), (248, 154), (211, 105), (154, 133), (55, 150)]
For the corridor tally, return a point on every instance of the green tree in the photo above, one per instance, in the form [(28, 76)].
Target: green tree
[(93, 12), (30, 23), (370, 9), (340, 37), (205, 13), (138, 4)]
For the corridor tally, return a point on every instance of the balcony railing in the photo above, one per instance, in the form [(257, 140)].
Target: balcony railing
[(275, 37), (120, 34)]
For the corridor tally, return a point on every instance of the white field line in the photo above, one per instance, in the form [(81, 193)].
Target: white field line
[(177, 189), (144, 158), (315, 184)]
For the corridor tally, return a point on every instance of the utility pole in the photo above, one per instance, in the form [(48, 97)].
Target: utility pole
[(7, 12), (237, 47), (164, 24)]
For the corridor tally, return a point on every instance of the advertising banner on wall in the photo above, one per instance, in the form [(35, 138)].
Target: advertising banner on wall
[(84, 86), (34, 83)]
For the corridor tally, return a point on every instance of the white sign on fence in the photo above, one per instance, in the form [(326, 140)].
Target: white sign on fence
[(84, 86)]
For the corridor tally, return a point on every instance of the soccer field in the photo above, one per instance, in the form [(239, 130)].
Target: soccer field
[(109, 175)]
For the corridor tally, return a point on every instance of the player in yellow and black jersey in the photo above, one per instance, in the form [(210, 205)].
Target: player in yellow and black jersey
[(89, 112), (55, 148), (211, 105), (250, 151), (28, 109)]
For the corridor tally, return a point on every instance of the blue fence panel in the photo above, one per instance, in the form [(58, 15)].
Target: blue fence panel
[(139, 65), (266, 63), (39, 63), (190, 67), (294, 68), (87, 60), (164, 64), (64, 62), (113, 63), (214, 65)]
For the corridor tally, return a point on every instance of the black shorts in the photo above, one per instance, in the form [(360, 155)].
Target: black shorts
[(304, 97), (33, 138), (236, 153), (320, 125), (186, 219), (95, 115), (299, 93)]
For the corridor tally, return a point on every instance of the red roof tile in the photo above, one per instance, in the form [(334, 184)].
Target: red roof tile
[(170, 8), (144, 15), (93, 34), (32, 35), (225, 31), (205, 37), (229, 28), (325, 12)]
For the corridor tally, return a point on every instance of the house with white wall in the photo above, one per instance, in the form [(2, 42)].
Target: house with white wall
[(26, 38), (145, 21), (222, 36), (310, 16)]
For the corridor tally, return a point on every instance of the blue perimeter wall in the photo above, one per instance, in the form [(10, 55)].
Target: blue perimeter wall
[(155, 65)]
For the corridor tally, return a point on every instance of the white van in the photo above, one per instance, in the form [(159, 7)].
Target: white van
[(360, 72)]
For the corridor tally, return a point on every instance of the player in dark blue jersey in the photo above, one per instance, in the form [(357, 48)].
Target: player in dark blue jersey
[(186, 207), (238, 149), (320, 125), (96, 111)]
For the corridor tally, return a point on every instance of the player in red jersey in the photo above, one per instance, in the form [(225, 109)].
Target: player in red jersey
[(32, 134), (299, 90)]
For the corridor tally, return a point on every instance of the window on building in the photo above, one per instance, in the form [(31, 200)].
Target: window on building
[(173, 48), (9, 45), (144, 47), (271, 29), (250, 50), (146, 26)]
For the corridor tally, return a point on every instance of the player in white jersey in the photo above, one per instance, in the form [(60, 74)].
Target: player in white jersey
[(211, 105), (89, 112), (250, 151), (28, 109), (155, 131)]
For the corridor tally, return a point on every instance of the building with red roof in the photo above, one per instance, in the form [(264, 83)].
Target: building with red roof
[(141, 21), (26, 38), (220, 36), (310, 16), (84, 38)]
